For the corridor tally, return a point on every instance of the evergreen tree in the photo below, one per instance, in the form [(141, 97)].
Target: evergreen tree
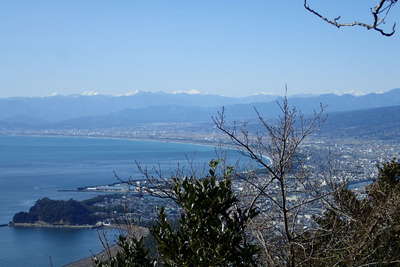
[(211, 229)]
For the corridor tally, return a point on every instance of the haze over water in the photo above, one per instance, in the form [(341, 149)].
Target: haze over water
[(36, 167)]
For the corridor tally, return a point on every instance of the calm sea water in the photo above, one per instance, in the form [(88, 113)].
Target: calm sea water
[(36, 167)]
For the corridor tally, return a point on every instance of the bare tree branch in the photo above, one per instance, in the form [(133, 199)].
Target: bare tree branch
[(378, 12), (280, 192)]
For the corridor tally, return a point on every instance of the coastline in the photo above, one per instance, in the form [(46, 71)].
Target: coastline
[(196, 142), (122, 227), (147, 139), (47, 225)]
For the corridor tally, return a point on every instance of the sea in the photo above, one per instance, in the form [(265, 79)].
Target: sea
[(33, 167)]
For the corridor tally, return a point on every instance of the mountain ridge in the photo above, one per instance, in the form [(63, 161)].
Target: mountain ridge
[(104, 112)]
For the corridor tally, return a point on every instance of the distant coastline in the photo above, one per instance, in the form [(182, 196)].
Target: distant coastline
[(71, 226), (199, 142), (48, 225), (196, 142)]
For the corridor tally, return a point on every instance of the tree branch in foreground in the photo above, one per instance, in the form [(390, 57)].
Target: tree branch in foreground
[(378, 12)]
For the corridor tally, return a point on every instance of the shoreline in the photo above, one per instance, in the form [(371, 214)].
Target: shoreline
[(148, 139), (122, 227), (48, 225), (195, 142)]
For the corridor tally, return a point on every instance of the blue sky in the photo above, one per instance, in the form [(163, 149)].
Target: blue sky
[(227, 47)]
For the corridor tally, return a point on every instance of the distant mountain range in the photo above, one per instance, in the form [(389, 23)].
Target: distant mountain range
[(58, 108), (99, 111), (380, 123)]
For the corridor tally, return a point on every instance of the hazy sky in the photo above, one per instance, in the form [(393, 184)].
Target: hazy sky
[(228, 47)]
